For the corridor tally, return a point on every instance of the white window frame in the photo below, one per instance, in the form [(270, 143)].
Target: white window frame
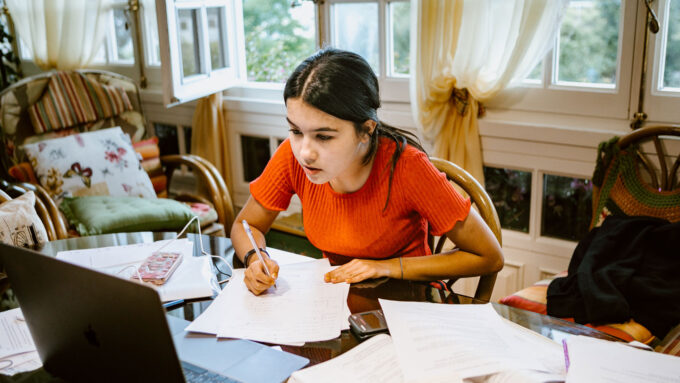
[(178, 89), (392, 88), (552, 97), (660, 106)]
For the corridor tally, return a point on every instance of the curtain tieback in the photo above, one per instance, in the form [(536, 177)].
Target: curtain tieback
[(461, 99)]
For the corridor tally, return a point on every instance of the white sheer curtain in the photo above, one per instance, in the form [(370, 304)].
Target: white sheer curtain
[(463, 52), (61, 34)]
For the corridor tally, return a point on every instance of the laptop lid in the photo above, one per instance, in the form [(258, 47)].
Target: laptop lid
[(90, 326)]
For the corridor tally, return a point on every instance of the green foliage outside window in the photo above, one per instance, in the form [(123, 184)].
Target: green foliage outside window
[(275, 43), (10, 66), (510, 191), (567, 207), (401, 36), (589, 38)]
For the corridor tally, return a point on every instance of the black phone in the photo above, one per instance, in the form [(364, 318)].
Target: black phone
[(368, 323)]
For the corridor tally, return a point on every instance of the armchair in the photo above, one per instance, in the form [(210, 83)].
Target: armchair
[(635, 175), (58, 104)]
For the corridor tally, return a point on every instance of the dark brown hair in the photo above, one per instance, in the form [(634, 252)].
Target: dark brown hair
[(342, 84)]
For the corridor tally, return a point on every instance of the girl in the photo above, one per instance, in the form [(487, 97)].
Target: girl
[(368, 190)]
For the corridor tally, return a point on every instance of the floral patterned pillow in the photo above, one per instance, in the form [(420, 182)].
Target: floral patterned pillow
[(101, 162)]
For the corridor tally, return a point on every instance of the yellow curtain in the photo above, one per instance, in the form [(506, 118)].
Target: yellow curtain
[(463, 52), (209, 135)]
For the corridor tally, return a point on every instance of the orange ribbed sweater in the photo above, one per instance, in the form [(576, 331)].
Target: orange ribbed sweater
[(354, 225)]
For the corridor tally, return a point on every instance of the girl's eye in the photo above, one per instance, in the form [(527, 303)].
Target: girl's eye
[(295, 131), (323, 137)]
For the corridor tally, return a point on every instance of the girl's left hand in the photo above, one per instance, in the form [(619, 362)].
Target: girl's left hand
[(358, 270)]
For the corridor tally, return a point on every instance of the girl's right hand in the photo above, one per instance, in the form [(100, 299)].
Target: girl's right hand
[(256, 279)]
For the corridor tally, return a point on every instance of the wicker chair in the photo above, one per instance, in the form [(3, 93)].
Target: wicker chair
[(487, 211), (16, 129), (635, 175)]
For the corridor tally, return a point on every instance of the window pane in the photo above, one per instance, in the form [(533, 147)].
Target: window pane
[(400, 16), (26, 53), (536, 75), (167, 139), (355, 28), (100, 58), (124, 48), (588, 45), (188, 36), (510, 191), (255, 155), (278, 37), (671, 74), (187, 139), (567, 207), (218, 41), (152, 43)]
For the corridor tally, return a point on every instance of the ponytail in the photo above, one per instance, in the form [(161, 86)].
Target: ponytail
[(400, 137)]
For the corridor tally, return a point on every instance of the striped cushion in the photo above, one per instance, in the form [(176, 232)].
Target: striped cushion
[(534, 298), (671, 343), (72, 99)]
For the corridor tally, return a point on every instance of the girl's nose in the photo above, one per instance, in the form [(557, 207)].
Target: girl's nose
[(307, 152)]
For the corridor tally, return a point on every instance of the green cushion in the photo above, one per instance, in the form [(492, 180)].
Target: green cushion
[(105, 214)]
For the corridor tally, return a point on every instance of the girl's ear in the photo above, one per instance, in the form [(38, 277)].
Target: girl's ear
[(370, 126)]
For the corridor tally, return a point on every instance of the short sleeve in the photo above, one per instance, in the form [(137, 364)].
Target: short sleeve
[(273, 189), (428, 192)]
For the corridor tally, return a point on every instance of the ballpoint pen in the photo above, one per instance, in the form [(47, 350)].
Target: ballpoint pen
[(256, 247)]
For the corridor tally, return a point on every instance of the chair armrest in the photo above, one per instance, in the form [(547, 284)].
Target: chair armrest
[(172, 161), (40, 209), (57, 219), (222, 186)]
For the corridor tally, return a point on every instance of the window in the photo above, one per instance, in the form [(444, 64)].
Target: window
[(589, 70), (202, 44), (663, 71), (278, 35), (567, 207), (378, 30), (255, 153), (510, 190), (355, 28)]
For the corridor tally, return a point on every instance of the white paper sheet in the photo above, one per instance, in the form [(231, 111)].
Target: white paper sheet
[(445, 343), (287, 258), (303, 308), (373, 361), (14, 335), (596, 360), (27, 361), (17, 350), (190, 280)]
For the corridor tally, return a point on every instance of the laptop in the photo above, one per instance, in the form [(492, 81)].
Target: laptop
[(94, 327)]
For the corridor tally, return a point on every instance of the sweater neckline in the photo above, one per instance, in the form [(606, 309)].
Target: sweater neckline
[(383, 147)]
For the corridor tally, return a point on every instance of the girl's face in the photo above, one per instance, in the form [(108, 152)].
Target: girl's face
[(327, 148)]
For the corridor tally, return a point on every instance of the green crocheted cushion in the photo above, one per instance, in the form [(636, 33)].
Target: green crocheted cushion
[(622, 190), (104, 214)]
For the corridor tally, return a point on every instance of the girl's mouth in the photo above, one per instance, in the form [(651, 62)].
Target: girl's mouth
[(310, 170)]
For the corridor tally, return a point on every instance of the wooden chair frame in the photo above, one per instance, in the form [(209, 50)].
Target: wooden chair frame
[(669, 177), (487, 211)]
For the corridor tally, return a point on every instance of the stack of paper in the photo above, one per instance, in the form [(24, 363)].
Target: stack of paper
[(192, 279), (302, 308), (596, 360), (444, 343), (374, 361), (17, 350), (439, 342)]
